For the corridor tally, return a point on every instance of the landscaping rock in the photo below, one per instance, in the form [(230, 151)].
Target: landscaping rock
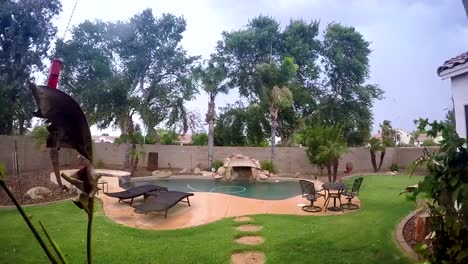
[(161, 174), (207, 173), (221, 170), (252, 257), (184, 171), (217, 176), (196, 171), (38, 193), (262, 176)]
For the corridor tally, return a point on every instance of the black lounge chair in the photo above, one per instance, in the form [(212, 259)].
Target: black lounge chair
[(135, 192), (162, 201), (309, 192), (351, 194)]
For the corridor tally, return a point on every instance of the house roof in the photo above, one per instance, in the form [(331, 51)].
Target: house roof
[(452, 63)]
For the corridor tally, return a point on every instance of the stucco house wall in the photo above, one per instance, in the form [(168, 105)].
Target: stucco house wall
[(460, 99)]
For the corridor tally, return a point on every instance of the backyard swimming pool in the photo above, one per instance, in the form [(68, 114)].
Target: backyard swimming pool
[(264, 190)]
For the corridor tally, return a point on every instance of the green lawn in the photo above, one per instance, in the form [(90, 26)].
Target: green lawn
[(364, 236)]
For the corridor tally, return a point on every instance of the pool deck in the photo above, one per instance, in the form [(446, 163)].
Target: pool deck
[(205, 208)]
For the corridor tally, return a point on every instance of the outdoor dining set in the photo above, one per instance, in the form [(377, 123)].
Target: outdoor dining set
[(328, 191)]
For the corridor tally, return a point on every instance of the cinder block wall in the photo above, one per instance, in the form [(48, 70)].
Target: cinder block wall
[(29, 156), (288, 159)]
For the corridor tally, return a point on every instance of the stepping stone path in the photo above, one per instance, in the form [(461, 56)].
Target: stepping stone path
[(248, 257)]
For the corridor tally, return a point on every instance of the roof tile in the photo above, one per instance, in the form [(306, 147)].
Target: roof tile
[(455, 61)]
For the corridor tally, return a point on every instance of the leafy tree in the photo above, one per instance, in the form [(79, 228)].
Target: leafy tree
[(26, 30), (262, 42), (325, 145), (119, 69), (200, 139), (273, 87), (167, 136), (446, 185), (449, 118), (213, 81), (375, 145), (242, 126), (345, 99), (428, 143)]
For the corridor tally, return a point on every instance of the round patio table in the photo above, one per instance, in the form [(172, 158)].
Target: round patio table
[(333, 186)]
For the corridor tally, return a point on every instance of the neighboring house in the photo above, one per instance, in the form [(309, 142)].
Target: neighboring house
[(402, 137), (103, 139), (184, 139), (457, 70)]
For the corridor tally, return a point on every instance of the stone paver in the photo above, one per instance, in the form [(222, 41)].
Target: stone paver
[(249, 257), (248, 228), (250, 240), (243, 219)]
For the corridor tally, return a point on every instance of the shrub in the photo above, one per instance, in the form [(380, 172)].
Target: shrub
[(428, 142), (267, 165), (217, 164), (200, 139), (394, 167)]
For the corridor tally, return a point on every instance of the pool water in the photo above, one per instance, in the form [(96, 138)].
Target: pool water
[(264, 190)]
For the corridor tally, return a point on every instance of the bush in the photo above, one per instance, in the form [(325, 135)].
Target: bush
[(429, 142), (200, 139), (267, 165), (394, 167), (217, 164)]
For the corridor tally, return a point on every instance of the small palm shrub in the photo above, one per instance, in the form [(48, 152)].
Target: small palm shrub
[(268, 166), (217, 164)]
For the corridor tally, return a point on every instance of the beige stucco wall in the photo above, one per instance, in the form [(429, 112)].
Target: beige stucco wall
[(29, 156), (288, 160)]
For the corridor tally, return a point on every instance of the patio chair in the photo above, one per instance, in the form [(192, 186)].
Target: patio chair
[(351, 194), (162, 201), (135, 192), (309, 192)]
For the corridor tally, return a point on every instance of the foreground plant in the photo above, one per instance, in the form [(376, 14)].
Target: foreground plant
[(446, 186), (69, 128)]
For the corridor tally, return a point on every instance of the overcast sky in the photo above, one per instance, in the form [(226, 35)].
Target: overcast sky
[(409, 40)]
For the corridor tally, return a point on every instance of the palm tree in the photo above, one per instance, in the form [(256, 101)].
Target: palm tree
[(388, 139), (273, 88), (39, 134), (375, 146), (213, 80)]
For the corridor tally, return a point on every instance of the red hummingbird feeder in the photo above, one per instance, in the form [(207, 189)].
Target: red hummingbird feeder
[(54, 73)]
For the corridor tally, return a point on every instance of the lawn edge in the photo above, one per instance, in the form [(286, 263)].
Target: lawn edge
[(400, 240)]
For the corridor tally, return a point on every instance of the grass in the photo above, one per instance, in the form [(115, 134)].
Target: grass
[(364, 236)]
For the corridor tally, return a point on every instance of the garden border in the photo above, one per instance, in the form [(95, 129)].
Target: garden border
[(400, 240)]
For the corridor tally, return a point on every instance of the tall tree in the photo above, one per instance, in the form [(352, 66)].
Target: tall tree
[(26, 30), (262, 41), (120, 69), (345, 98), (213, 81), (273, 84)]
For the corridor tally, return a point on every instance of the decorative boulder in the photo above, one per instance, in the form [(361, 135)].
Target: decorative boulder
[(38, 193), (262, 176), (221, 170), (196, 171), (217, 176), (207, 173), (161, 174), (184, 171)]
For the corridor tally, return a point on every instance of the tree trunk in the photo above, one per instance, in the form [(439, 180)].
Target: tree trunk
[(210, 118), (374, 163), (54, 157), (134, 163), (274, 125), (335, 169), (129, 133), (382, 156), (329, 172)]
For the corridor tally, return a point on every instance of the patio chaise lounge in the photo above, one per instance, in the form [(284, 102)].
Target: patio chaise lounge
[(162, 201), (135, 192)]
